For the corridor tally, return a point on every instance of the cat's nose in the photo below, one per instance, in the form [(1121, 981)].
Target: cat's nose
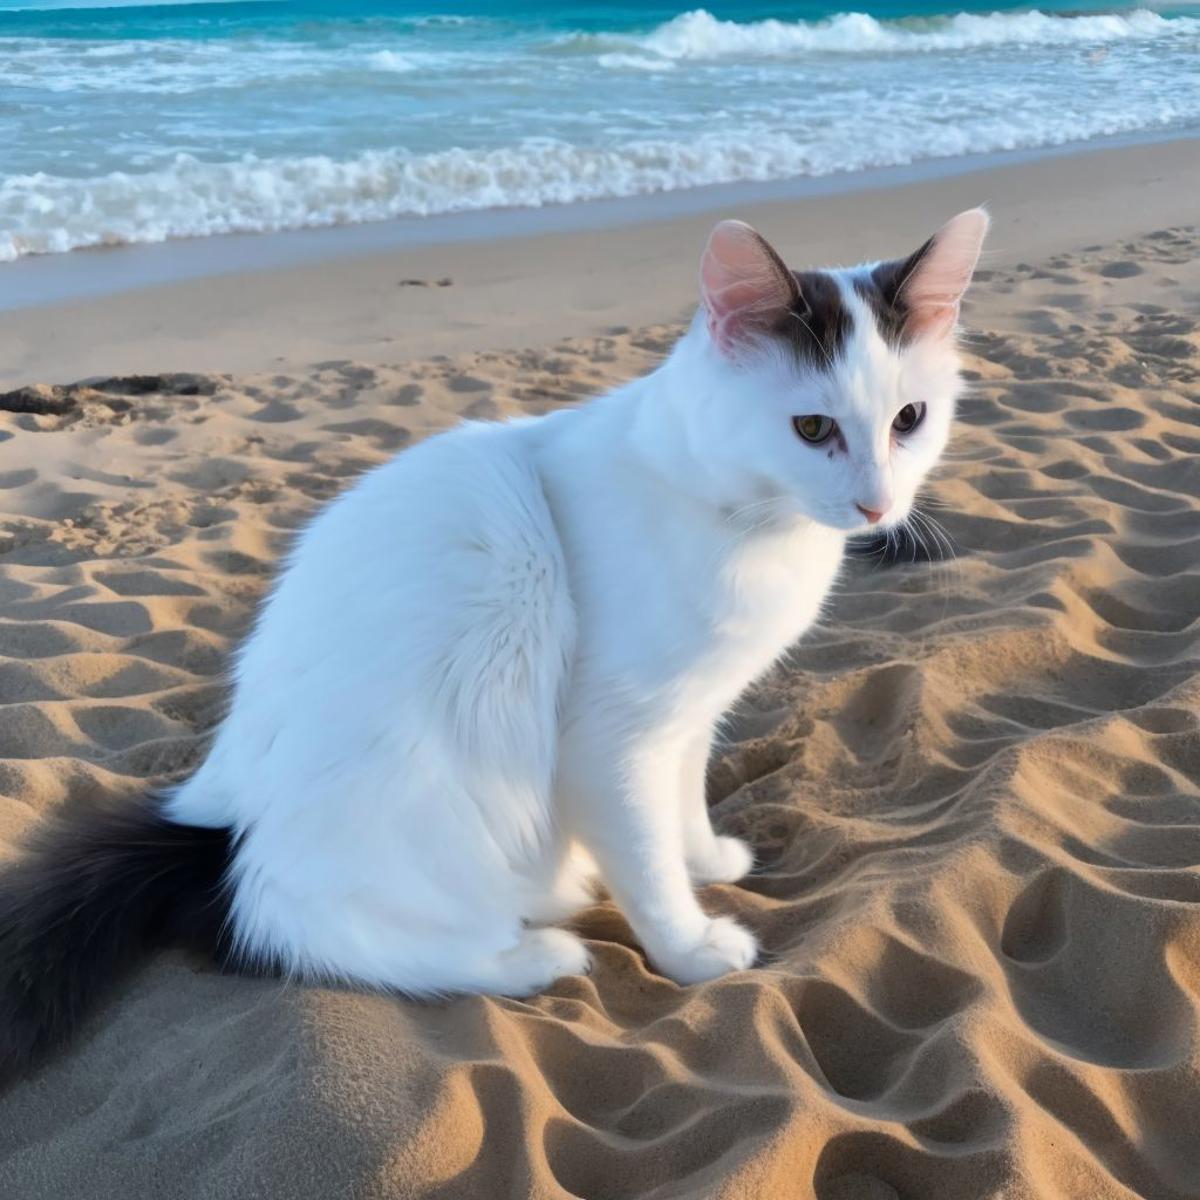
[(874, 515)]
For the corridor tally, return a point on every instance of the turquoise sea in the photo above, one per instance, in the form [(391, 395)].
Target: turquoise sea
[(142, 122)]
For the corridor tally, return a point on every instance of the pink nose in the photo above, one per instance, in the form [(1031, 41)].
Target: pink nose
[(873, 515)]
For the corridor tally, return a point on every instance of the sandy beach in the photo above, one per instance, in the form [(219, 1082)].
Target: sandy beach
[(974, 792)]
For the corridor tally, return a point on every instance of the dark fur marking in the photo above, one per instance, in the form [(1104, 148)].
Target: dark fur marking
[(819, 324), (94, 892), (883, 292)]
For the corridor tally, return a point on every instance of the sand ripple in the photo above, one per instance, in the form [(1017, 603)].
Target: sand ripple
[(975, 797)]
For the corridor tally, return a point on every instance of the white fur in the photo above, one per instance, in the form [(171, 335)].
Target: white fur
[(496, 666)]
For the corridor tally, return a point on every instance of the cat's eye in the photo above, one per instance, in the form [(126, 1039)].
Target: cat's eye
[(909, 417), (814, 429)]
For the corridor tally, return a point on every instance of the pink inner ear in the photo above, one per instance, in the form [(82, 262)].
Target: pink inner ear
[(742, 282), (935, 289)]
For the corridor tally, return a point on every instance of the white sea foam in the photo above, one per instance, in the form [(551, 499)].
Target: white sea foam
[(175, 67), (393, 60), (180, 67), (45, 214), (699, 35), (420, 123), (635, 62), (161, 67)]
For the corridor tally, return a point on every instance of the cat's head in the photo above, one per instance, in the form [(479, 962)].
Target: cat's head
[(830, 391)]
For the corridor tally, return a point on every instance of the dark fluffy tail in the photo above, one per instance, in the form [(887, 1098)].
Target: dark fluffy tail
[(92, 894)]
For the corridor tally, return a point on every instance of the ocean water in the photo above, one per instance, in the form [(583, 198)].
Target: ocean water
[(138, 123)]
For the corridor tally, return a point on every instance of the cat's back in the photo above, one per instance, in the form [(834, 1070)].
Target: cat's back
[(436, 523), (426, 605)]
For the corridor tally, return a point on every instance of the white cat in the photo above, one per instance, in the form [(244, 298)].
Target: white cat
[(492, 670)]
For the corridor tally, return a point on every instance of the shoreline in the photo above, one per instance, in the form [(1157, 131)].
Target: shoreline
[(531, 276), (38, 280)]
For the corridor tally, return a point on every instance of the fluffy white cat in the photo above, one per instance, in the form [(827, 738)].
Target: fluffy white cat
[(490, 673)]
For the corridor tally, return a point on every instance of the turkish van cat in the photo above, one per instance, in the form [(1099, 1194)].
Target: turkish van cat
[(489, 675)]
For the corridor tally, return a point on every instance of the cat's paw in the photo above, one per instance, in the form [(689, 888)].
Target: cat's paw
[(725, 947), (729, 860), (541, 957)]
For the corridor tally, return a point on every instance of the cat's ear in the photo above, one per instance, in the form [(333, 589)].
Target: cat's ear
[(937, 276), (744, 284)]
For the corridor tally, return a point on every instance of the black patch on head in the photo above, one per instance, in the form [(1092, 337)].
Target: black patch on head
[(94, 892), (818, 325), (883, 293)]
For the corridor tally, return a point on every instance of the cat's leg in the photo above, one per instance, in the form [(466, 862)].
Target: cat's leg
[(539, 957), (711, 858), (423, 918), (573, 888), (508, 960), (627, 813)]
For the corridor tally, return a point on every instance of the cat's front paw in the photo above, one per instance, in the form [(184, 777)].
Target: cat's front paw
[(728, 860), (725, 947)]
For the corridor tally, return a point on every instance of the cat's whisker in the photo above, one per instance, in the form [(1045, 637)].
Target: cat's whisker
[(948, 570), (913, 527), (767, 502), (944, 538), (919, 526), (767, 506)]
